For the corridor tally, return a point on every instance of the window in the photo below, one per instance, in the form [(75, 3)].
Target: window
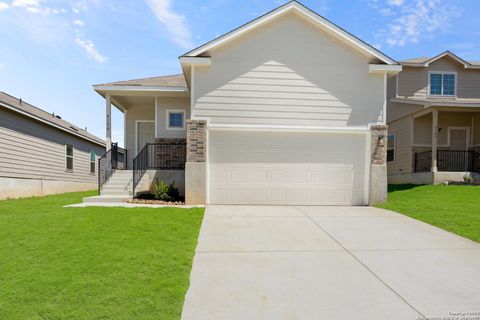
[(391, 148), (442, 84), (92, 161), (175, 120), (69, 157)]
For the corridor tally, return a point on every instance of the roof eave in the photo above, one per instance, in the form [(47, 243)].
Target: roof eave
[(27, 114), (293, 5)]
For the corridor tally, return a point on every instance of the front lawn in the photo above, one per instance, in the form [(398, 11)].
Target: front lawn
[(94, 263), (453, 208)]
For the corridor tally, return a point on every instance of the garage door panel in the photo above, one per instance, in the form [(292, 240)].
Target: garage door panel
[(291, 168)]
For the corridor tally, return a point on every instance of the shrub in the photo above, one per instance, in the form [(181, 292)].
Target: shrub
[(161, 190), (165, 192), (173, 191)]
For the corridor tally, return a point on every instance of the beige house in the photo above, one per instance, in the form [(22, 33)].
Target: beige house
[(434, 120), (41, 154), (286, 109)]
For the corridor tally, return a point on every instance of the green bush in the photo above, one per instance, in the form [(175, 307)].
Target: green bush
[(161, 190), (165, 192)]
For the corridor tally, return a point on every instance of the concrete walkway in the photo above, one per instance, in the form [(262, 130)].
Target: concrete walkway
[(261, 262)]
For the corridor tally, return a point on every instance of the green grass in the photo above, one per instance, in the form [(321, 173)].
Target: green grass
[(453, 208), (94, 263)]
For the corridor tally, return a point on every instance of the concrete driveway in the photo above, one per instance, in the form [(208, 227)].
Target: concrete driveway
[(281, 262)]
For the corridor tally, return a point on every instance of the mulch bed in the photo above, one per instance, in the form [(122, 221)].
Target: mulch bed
[(157, 202), (463, 183)]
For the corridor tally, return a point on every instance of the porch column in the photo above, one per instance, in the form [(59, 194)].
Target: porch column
[(108, 125), (434, 140), (195, 167)]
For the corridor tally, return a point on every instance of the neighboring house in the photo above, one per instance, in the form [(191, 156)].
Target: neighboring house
[(42, 154), (286, 109), (434, 120)]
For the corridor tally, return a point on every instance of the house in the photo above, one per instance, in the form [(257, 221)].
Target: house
[(434, 120), (41, 154), (286, 109)]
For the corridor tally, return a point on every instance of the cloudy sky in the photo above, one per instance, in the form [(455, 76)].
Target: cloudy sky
[(53, 51)]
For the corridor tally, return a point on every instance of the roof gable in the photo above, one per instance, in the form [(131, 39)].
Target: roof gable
[(304, 12), (425, 62)]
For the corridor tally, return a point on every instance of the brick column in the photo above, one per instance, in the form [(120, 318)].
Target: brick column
[(195, 168), (378, 166), (196, 140), (379, 134)]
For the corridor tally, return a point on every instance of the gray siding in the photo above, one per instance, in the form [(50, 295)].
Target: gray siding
[(147, 112), (403, 146), (396, 110), (413, 81), (33, 150), (288, 72)]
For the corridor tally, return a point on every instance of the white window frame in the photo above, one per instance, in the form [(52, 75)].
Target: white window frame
[(168, 112), (94, 161), (67, 156), (442, 73), (394, 148)]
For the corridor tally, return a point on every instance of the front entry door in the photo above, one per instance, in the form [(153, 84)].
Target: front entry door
[(458, 139), (145, 134)]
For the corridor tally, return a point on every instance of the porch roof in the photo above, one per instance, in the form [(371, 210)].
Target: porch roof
[(143, 90), (458, 102), (174, 80)]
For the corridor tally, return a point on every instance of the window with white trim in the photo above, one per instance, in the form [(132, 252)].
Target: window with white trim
[(69, 157), (391, 147), (175, 119), (442, 84), (92, 161)]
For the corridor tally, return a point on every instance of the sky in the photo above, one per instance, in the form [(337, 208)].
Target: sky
[(53, 51)]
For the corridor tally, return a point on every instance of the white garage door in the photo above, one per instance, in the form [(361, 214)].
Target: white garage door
[(295, 168)]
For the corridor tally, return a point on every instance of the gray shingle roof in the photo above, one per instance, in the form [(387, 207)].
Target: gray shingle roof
[(34, 112), (175, 80)]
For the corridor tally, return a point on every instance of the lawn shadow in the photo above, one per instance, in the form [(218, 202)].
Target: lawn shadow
[(401, 187)]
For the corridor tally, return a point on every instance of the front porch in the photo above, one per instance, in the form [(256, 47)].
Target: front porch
[(446, 140)]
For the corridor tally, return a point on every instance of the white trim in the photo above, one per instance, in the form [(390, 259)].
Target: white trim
[(384, 68), (125, 131), (73, 157), (207, 166), (451, 55), (472, 132), (368, 166), (396, 85), (136, 134), (394, 134), (192, 90), (218, 126), (439, 103), (467, 136), (305, 13), (196, 61), (384, 116), (167, 120), (50, 124), (441, 95), (156, 117), (139, 88)]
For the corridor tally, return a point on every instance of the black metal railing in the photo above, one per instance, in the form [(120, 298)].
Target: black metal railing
[(159, 156), (448, 160), (423, 161), (114, 159), (455, 160)]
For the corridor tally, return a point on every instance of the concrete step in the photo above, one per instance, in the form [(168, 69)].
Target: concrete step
[(116, 187), (118, 182), (107, 199), (116, 193)]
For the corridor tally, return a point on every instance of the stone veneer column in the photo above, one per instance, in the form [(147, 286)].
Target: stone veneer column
[(195, 168), (378, 166)]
